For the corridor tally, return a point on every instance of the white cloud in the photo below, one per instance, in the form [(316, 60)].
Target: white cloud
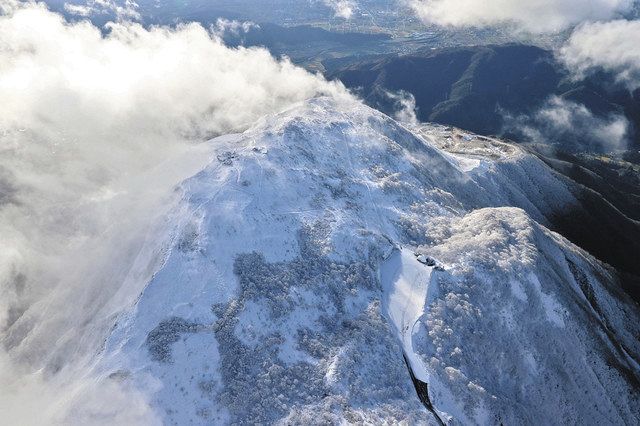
[(79, 9), (610, 46), (572, 125), (342, 8), (232, 27), (405, 107), (95, 132), (126, 10), (529, 15)]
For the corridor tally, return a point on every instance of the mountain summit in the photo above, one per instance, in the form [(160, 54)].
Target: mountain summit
[(331, 265)]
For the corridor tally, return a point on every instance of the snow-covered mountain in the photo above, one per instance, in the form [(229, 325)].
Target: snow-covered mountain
[(331, 265)]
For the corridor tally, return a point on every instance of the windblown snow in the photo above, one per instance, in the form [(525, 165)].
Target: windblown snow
[(325, 244)]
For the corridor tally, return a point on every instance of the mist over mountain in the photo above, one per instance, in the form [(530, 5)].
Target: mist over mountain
[(483, 88)]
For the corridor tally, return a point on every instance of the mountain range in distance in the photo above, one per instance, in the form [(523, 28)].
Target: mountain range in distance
[(477, 88)]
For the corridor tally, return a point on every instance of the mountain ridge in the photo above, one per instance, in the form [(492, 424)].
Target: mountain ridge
[(279, 298)]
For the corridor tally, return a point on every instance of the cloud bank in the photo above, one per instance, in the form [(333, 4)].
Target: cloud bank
[(530, 15), (95, 132), (609, 46)]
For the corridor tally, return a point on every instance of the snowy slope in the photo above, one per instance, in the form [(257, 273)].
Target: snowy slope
[(405, 283), (291, 291)]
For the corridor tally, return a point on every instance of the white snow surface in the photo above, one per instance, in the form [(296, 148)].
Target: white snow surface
[(291, 288), (405, 282)]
